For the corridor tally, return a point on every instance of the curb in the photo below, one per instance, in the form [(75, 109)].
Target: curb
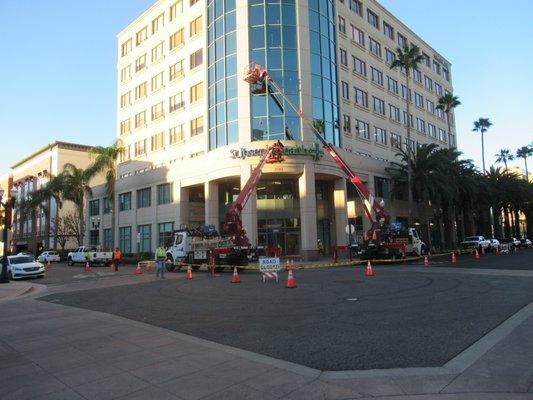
[(30, 289)]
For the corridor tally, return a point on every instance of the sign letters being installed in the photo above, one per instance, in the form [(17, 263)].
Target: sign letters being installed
[(315, 152), (269, 267)]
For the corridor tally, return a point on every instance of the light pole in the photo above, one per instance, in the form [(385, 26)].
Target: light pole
[(8, 206)]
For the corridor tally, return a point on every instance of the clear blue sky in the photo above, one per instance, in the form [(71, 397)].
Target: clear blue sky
[(58, 73)]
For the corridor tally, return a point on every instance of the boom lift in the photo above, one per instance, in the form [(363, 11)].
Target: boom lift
[(380, 240)]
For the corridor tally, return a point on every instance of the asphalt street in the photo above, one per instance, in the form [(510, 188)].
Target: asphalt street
[(521, 260), (335, 319)]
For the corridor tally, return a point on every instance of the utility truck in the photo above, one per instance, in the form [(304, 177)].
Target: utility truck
[(78, 256)]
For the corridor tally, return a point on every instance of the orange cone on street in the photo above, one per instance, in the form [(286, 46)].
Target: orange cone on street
[(87, 267), (426, 262), (369, 271), (454, 258), (235, 278), (149, 267), (138, 270), (189, 273), (476, 256), (291, 284)]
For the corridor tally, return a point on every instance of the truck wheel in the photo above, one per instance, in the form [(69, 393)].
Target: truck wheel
[(70, 263)]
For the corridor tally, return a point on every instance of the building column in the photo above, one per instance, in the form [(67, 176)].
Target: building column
[(211, 203), (308, 221), (341, 212), (182, 198), (249, 212)]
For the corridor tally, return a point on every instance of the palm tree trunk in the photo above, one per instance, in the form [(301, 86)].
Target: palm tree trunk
[(449, 126), (506, 222), (483, 151), (517, 222), (527, 173), (409, 172)]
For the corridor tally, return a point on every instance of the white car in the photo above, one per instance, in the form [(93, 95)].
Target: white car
[(494, 244), (24, 267), (52, 256)]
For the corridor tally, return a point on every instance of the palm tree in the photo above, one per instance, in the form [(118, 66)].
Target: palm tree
[(525, 152), (447, 103), (76, 185), (503, 156), (105, 160), (408, 59), (482, 125)]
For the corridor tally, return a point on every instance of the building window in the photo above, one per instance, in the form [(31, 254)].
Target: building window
[(430, 106), (375, 47), (343, 57), (166, 230), (394, 113), (347, 124), (176, 70), (442, 137), (380, 135), (144, 238), (379, 106), (362, 129), (157, 141), (124, 201), (342, 25), (404, 93), (125, 126), (438, 90), (196, 26), (381, 186), (196, 59), (377, 76), (176, 134), (389, 56), (108, 239), (446, 74), (140, 91), (140, 148), (361, 97), (125, 48), (157, 82), (140, 119), (359, 66), (144, 197), (164, 193), (175, 10), (345, 90), (107, 205), (357, 7), (94, 208), (141, 35), (402, 41), (440, 113), (157, 52), (157, 111), (396, 140), (176, 102), (125, 99), (420, 125), (124, 236), (417, 75), (197, 126), (432, 131), (176, 39), (373, 19), (197, 92), (358, 36), (158, 23), (426, 60), (140, 63), (392, 85), (94, 236), (388, 30), (428, 83), (419, 100), (404, 120), (125, 73)]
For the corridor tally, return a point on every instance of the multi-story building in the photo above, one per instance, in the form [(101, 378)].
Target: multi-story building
[(35, 231), (192, 130)]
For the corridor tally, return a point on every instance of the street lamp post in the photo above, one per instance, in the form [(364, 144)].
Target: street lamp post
[(8, 205)]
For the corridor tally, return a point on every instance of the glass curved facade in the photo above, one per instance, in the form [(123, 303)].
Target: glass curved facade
[(322, 29), (273, 44), (222, 73)]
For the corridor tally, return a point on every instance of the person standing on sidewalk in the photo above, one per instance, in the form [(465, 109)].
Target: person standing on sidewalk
[(117, 256), (160, 257)]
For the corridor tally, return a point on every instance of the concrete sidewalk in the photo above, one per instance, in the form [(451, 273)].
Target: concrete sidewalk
[(50, 351), (16, 289)]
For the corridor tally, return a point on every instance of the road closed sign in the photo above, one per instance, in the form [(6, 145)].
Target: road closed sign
[(269, 267)]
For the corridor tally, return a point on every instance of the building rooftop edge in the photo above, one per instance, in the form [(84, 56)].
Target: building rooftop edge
[(145, 12), (63, 145)]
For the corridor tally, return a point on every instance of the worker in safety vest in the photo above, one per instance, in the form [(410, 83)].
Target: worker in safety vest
[(117, 256), (160, 257)]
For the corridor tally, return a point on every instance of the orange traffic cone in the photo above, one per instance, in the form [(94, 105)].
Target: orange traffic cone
[(454, 258), (426, 262), (87, 267), (476, 256), (291, 284), (138, 270), (235, 278), (149, 267), (369, 271), (189, 273)]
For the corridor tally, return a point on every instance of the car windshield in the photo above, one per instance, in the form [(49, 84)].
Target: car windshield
[(20, 260), (472, 238)]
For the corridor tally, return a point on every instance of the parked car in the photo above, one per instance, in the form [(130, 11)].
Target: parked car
[(475, 242), (26, 253), (95, 257), (494, 244), (49, 256), (508, 243), (23, 266), (525, 243)]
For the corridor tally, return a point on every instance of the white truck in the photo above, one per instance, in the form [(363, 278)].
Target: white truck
[(393, 242), (194, 247), (476, 242), (95, 257)]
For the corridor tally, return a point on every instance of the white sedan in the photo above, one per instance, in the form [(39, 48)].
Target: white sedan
[(23, 267), (51, 256)]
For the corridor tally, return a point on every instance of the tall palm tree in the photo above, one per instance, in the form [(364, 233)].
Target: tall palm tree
[(447, 103), (482, 125), (503, 156), (105, 160), (76, 185), (525, 152), (408, 59)]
